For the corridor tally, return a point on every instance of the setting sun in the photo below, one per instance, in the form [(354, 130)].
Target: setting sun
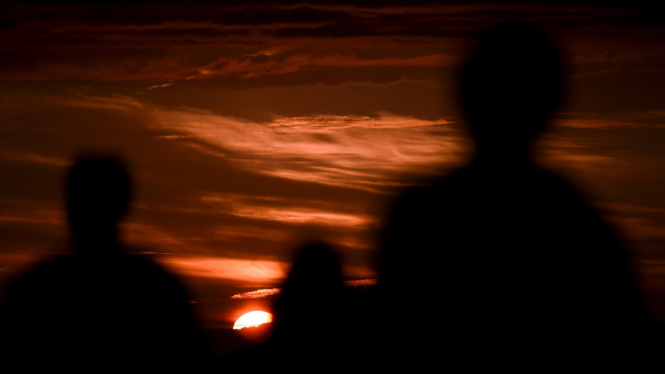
[(252, 319)]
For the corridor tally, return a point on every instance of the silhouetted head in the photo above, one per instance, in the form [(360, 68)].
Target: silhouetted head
[(312, 288), (510, 85), (98, 192)]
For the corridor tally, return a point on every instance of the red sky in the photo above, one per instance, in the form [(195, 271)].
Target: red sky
[(250, 128)]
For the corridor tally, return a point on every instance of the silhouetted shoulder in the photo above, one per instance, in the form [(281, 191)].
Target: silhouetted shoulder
[(99, 306), (138, 271), (78, 310), (518, 245), (500, 248)]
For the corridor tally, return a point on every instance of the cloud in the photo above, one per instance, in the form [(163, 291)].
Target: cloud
[(277, 45), (26, 156), (361, 282), (641, 227), (605, 58), (274, 291), (630, 208), (594, 123), (385, 120), (261, 64), (586, 159), (298, 215), (145, 235), (234, 70), (31, 212), (640, 220), (257, 294), (173, 137), (624, 119), (589, 158), (350, 151), (252, 271), (657, 113), (362, 152), (159, 86), (240, 233)]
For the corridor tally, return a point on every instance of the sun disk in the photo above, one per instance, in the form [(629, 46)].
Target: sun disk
[(252, 319)]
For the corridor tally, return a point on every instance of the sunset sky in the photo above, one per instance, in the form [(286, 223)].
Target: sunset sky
[(251, 128)]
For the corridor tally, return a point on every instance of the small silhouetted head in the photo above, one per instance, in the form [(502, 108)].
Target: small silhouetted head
[(98, 192), (510, 85), (316, 268), (312, 289)]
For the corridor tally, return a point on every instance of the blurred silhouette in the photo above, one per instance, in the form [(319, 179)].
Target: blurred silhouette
[(311, 294), (310, 318), (502, 264), (98, 308)]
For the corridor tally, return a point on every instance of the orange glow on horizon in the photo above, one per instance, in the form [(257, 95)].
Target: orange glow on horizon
[(252, 319)]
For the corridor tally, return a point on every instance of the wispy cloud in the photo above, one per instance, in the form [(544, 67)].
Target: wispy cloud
[(361, 282), (360, 152), (32, 212), (595, 123), (630, 208), (384, 120), (27, 156), (173, 42), (641, 221), (262, 64), (227, 268), (635, 119), (257, 294), (173, 137), (299, 215), (351, 151), (160, 86), (274, 291)]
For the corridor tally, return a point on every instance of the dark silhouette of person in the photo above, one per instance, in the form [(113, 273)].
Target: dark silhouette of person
[(502, 264), (312, 299), (99, 308), (310, 315)]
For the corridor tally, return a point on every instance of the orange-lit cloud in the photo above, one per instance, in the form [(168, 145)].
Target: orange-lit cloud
[(243, 232), (21, 155), (32, 212), (174, 41), (274, 291), (253, 126), (150, 236), (594, 123), (257, 294), (628, 208), (253, 271), (361, 282), (235, 205), (351, 151), (634, 119), (259, 65), (640, 226), (640, 221), (160, 86)]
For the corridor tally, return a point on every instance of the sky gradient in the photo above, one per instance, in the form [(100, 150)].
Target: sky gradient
[(252, 128)]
